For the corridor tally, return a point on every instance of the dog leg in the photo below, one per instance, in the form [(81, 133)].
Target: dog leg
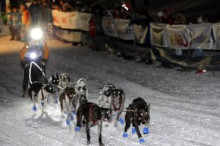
[(79, 119), (117, 118), (88, 132), (128, 122), (100, 133), (137, 129), (61, 106)]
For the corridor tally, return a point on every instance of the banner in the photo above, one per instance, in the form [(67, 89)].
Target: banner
[(178, 36), (216, 31), (158, 35), (124, 30), (84, 19), (109, 26), (140, 33), (200, 36), (69, 36), (71, 20)]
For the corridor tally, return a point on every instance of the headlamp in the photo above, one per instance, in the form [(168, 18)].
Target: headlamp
[(36, 34)]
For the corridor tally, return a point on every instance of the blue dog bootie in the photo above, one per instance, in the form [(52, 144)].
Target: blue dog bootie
[(34, 108), (77, 128), (67, 122), (133, 130), (121, 120), (145, 130), (141, 140), (74, 112), (125, 134), (42, 103)]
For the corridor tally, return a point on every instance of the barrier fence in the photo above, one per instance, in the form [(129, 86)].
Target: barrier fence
[(195, 36)]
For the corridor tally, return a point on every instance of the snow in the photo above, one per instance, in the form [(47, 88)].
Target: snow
[(185, 106)]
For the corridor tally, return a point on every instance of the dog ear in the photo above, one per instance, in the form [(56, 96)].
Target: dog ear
[(57, 75), (148, 107)]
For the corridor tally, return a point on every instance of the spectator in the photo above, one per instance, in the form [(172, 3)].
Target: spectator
[(35, 10), (25, 21), (15, 24)]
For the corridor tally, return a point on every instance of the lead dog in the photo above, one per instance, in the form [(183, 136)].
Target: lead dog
[(91, 114), (137, 113)]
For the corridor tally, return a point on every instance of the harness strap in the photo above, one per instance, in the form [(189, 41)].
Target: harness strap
[(31, 68)]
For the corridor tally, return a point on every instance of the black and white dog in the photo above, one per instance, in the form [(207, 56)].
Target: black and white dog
[(70, 99), (81, 87), (137, 113), (90, 114), (117, 104), (112, 97), (40, 92), (105, 95), (61, 82)]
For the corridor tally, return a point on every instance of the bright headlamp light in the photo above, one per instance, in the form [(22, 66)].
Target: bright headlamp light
[(33, 55), (36, 34)]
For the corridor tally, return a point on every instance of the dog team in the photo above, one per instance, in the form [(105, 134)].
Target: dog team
[(74, 98)]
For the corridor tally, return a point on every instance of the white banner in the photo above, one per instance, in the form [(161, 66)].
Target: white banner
[(216, 31), (158, 35), (109, 27), (140, 33), (124, 30), (178, 37), (84, 19), (70, 36), (71, 20), (200, 36)]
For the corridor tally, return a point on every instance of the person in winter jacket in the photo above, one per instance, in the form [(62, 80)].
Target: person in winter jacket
[(15, 24)]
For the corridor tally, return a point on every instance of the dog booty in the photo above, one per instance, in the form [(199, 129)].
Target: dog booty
[(121, 120), (67, 122), (141, 140), (42, 103), (133, 130), (125, 134), (74, 112), (145, 130), (77, 128), (71, 118), (34, 108)]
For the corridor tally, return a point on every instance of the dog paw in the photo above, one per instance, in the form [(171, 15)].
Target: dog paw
[(34, 108), (67, 122), (88, 142), (125, 134), (77, 128), (42, 103), (74, 112), (145, 130), (133, 130), (121, 120), (141, 140)]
